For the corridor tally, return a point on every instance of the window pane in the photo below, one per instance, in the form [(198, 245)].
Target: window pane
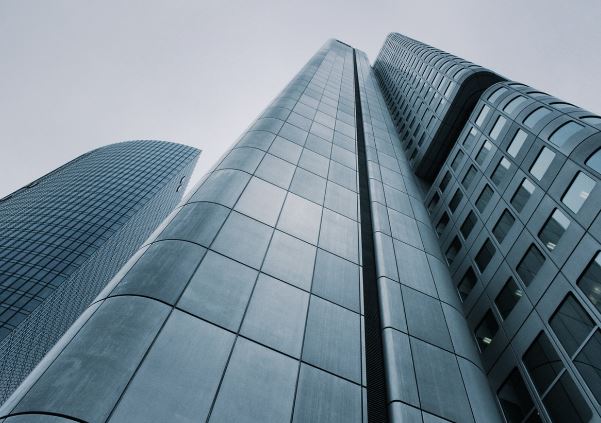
[(543, 362), (466, 284), (530, 265), (498, 93), (482, 115), (485, 255), (591, 120), (590, 281), (522, 195), (514, 104), (442, 223), (453, 250), (444, 182), (483, 153), (496, 130), (542, 163), (571, 324), (553, 229), (503, 226), (469, 177), (508, 297), (594, 161), (470, 138), (500, 171), (457, 160), (455, 200), (433, 202), (535, 117), (516, 144), (486, 330), (564, 132), (468, 224), (514, 398), (484, 198), (588, 363), (578, 192), (564, 403)]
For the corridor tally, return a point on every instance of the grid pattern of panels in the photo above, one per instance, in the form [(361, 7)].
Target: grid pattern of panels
[(517, 209), (261, 318), (433, 367)]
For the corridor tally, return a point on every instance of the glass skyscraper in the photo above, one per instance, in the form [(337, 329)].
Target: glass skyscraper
[(413, 241), (65, 235)]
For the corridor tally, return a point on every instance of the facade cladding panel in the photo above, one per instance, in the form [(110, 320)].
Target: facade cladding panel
[(64, 236), (310, 259)]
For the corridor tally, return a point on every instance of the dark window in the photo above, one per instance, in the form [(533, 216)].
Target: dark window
[(500, 171), (590, 281), (496, 130), (453, 249), (433, 202), (564, 132), (542, 163), (457, 160), (468, 224), (486, 330), (594, 161), (485, 255), (530, 264), (466, 284), (455, 200), (578, 192), (442, 223), (564, 403), (516, 144), (587, 363), (508, 297), (484, 198), (535, 116), (571, 324), (483, 152), (445, 181), (542, 362), (522, 195), (553, 229), (503, 226), (514, 398), (469, 177)]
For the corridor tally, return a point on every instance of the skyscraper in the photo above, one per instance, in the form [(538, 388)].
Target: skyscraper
[(65, 235), (368, 250)]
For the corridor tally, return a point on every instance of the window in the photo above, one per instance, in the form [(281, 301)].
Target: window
[(442, 223), (444, 182), (498, 93), (514, 104), (470, 138), (578, 192), (468, 224), (455, 201), (484, 198), (503, 226), (486, 330), (542, 362), (542, 163), (500, 171), (530, 264), (553, 229), (590, 281), (508, 297), (564, 132), (587, 363), (591, 120), (564, 403), (535, 116), (485, 255), (457, 160), (571, 324), (496, 130), (466, 284), (433, 202), (484, 150), (453, 250), (514, 398), (594, 161), (522, 195), (482, 115), (469, 177), (516, 144)]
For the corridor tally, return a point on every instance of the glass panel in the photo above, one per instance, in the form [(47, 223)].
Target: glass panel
[(594, 161), (590, 281), (564, 132), (514, 104), (542, 163), (484, 198), (468, 224), (455, 200), (483, 153), (503, 226), (522, 195), (496, 130), (571, 324), (500, 171), (433, 202), (535, 117), (516, 144), (457, 160), (578, 192), (498, 93), (514, 398), (508, 297), (530, 265), (444, 182), (466, 284), (543, 362), (453, 249), (588, 364), (442, 223), (469, 177), (482, 115), (564, 403), (553, 229), (592, 120), (485, 255), (470, 138), (486, 330)]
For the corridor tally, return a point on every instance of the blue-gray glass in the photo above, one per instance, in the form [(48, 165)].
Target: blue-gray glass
[(467, 283), (508, 297), (530, 264), (542, 163), (514, 398), (571, 324), (594, 161), (578, 192), (565, 403), (590, 281), (522, 195), (542, 362), (587, 363), (564, 132), (486, 330), (484, 198), (503, 225), (554, 228), (485, 255), (468, 224)]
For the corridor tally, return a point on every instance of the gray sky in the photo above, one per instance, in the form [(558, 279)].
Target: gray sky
[(76, 75)]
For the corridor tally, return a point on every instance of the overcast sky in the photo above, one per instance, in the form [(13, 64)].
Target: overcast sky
[(76, 75)]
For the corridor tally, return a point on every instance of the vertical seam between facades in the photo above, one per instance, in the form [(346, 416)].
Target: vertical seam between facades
[(374, 354)]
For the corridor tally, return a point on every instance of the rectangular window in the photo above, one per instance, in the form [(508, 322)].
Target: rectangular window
[(496, 130), (498, 93), (466, 284), (470, 138), (457, 160), (530, 264), (514, 398), (564, 403), (587, 363), (508, 297), (578, 192), (442, 223), (553, 229), (536, 116), (564, 132), (542, 362), (444, 182), (542, 163), (484, 198), (516, 144), (500, 171), (503, 226), (433, 202), (483, 152), (486, 330), (453, 250), (485, 255), (522, 195), (468, 224), (514, 104), (590, 281), (455, 200), (469, 177), (571, 324), (482, 115)]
